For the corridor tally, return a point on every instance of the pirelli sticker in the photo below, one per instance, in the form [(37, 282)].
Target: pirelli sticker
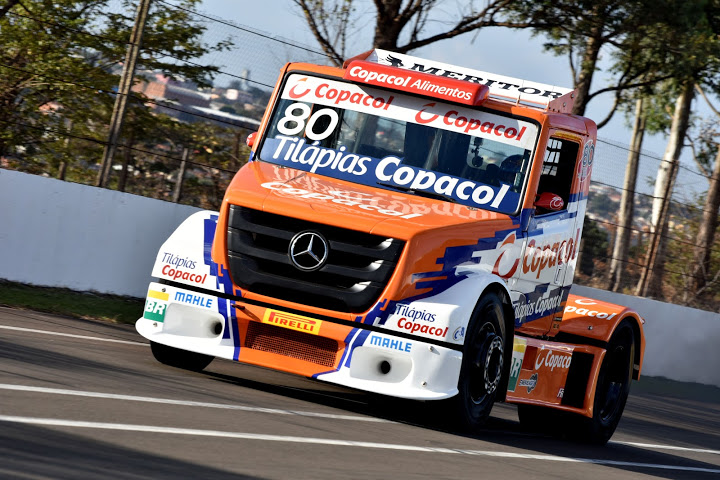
[(292, 321)]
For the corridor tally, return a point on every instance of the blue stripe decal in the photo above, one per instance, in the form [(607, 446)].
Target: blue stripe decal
[(223, 309), (236, 333), (531, 305), (359, 341), (348, 341), (209, 235), (209, 227), (222, 276)]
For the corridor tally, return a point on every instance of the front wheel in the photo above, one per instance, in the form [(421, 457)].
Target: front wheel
[(175, 357), (482, 365)]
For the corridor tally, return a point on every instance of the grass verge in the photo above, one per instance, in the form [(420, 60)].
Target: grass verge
[(71, 303)]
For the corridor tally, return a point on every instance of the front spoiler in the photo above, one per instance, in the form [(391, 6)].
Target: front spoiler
[(342, 353)]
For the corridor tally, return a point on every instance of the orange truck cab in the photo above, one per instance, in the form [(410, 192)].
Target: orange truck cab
[(409, 228)]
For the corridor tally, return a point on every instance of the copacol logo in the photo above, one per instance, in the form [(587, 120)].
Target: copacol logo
[(308, 251)]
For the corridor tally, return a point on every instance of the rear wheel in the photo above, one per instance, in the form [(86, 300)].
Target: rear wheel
[(175, 357), (482, 366), (611, 391)]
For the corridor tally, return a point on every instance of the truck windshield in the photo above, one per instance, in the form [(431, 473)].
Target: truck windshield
[(389, 140)]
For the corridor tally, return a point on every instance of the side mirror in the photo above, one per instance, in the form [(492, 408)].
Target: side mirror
[(251, 139), (550, 201)]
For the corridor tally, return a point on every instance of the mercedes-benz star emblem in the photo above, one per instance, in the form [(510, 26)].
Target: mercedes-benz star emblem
[(308, 251)]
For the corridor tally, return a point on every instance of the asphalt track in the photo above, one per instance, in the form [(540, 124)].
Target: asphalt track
[(81, 399)]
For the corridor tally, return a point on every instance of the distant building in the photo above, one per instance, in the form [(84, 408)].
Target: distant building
[(182, 100)]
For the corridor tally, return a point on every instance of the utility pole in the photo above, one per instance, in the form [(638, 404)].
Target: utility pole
[(181, 175), (126, 82)]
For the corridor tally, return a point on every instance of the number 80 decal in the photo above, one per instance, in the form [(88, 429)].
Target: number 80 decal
[(286, 127)]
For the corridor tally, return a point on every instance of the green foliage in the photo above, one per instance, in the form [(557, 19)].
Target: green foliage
[(594, 246), (63, 301), (685, 224), (60, 66)]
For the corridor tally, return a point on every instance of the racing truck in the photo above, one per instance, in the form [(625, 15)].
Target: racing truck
[(408, 228)]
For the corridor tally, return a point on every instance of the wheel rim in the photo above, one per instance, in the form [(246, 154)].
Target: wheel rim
[(486, 368)]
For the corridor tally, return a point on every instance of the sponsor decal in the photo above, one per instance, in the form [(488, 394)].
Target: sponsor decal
[(422, 83), (176, 273), (459, 334), (413, 327), (178, 261), (335, 196), (333, 93), (588, 313), (292, 321), (561, 393), (155, 305), (409, 311), (392, 344), (301, 129), (299, 117), (398, 205), (497, 83), (537, 258), (431, 113), (191, 299), (538, 308), (585, 301), (519, 347), (551, 361), (530, 383), (362, 169)]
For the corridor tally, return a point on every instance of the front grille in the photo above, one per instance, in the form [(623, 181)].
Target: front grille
[(358, 266), (289, 343)]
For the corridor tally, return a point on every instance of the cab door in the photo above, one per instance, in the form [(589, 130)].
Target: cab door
[(546, 269)]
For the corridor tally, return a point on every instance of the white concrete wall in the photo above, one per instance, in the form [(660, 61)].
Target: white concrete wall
[(681, 343), (56, 233)]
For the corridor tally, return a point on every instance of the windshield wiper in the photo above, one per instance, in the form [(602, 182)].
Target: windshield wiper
[(417, 191)]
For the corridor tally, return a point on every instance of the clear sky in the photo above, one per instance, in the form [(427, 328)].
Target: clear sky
[(499, 50)]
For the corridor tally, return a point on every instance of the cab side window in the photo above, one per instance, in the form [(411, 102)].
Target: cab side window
[(558, 168)]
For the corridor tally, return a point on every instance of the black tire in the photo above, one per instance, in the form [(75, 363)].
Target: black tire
[(611, 391), (175, 357), (483, 365)]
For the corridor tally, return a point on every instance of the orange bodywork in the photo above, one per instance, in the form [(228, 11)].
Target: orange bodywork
[(271, 337), (267, 327)]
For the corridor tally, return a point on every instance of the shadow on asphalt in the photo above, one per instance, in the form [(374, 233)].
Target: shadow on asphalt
[(65, 455), (661, 420)]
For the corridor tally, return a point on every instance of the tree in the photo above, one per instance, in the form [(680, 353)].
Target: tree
[(59, 65), (699, 65), (398, 25), (650, 283), (594, 245), (707, 158), (582, 29), (627, 203)]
